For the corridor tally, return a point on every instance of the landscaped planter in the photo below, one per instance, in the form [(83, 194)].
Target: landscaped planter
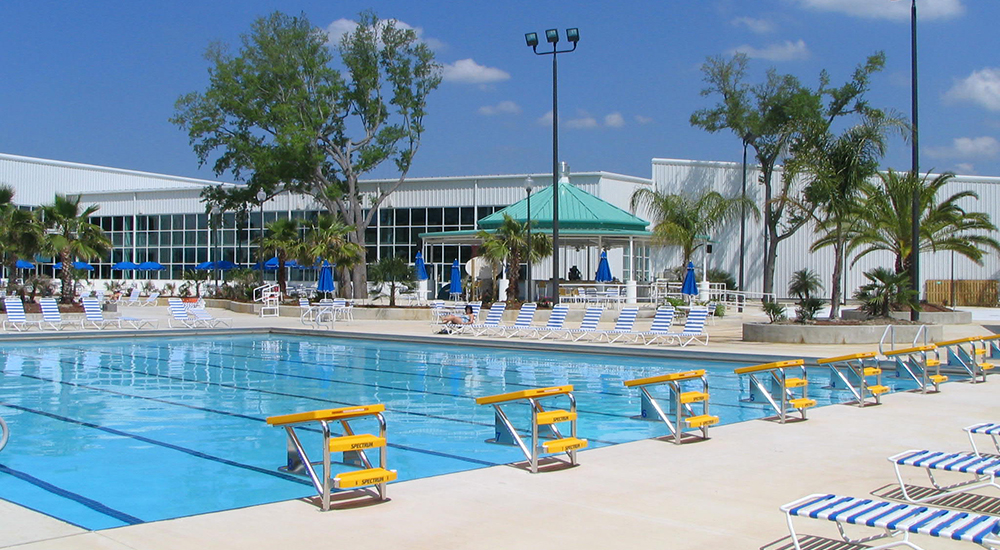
[(835, 334), (934, 317)]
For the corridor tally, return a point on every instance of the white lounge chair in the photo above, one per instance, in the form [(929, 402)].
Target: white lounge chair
[(623, 327), (493, 319), (16, 318), (522, 324), (150, 300), (660, 329), (133, 298), (93, 314), (694, 328), (983, 470), (554, 326), (51, 316), (180, 315), (588, 325), (991, 429), (894, 519), (208, 319)]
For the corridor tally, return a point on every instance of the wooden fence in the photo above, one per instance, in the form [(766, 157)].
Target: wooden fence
[(982, 293)]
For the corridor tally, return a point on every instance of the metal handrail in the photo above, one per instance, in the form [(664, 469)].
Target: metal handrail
[(4, 433), (921, 330), (889, 330)]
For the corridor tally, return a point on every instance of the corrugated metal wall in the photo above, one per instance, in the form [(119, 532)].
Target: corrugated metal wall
[(677, 176)]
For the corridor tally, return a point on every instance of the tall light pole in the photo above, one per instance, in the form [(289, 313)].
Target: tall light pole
[(213, 224), (552, 37), (528, 182), (743, 211), (915, 159), (261, 197)]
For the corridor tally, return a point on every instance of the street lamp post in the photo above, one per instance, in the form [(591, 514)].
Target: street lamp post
[(915, 153), (552, 37), (528, 182), (213, 223)]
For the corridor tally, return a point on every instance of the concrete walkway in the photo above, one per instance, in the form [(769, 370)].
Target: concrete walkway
[(719, 493)]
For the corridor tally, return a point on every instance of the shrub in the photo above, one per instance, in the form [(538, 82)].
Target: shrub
[(886, 290), (775, 311), (808, 308)]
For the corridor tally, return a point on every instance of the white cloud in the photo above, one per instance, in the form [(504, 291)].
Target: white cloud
[(502, 108), (966, 148), (643, 119), (340, 27), (545, 120), (582, 122), (614, 120), (965, 169), (758, 26), (467, 71), (787, 51), (885, 9), (981, 87)]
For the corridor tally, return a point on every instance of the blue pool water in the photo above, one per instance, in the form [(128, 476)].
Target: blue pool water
[(114, 432)]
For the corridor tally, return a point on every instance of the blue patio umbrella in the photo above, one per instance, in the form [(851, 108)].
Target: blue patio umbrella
[(272, 264), (24, 264), (325, 283), (456, 278), (205, 266), (690, 286), (603, 269), (125, 266), (150, 266), (420, 268), (76, 265), (225, 265)]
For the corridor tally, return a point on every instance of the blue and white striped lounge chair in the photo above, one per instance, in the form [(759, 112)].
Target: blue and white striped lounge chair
[(588, 325), (493, 319), (133, 298), (894, 519), (694, 328), (179, 314), (554, 326), (991, 429), (208, 319), (522, 324), (150, 300), (51, 317), (623, 327), (660, 329), (16, 318), (983, 470), (93, 314)]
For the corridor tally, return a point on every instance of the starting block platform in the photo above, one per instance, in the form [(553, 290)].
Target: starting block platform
[(351, 444), (773, 384), (968, 354), (916, 364), (860, 374), (680, 414), (549, 443)]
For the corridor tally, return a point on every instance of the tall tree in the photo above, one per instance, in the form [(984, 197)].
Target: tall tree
[(944, 225), (71, 236), (777, 118), (394, 271), (327, 240), (279, 115), (685, 220), (508, 244), (282, 240), (836, 169), (21, 234)]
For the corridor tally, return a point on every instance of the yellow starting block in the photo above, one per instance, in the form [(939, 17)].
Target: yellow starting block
[(541, 419), (680, 414), (860, 374), (352, 445), (968, 354), (916, 363), (784, 392)]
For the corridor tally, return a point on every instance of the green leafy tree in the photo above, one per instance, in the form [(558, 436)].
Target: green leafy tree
[(393, 271), (21, 234), (685, 220), (508, 244), (944, 225), (328, 240), (777, 119), (70, 237), (282, 240), (837, 167), (281, 116)]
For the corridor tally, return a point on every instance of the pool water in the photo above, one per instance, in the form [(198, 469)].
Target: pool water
[(106, 433)]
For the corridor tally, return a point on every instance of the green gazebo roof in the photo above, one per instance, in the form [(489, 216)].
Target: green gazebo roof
[(578, 210)]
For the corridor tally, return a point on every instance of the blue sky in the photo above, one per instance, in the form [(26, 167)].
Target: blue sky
[(95, 82)]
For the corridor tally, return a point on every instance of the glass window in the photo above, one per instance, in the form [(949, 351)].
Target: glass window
[(468, 215), (116, 223), (177, 221), (402, 235), (154, 238), (189, 237), (414, 239), (141, 239), (116, 239), (418, 216), (142, 223), (385, 236), (451, 216), (202, 237), (165, 239), (385, 217), (402, 216), (434, 217)]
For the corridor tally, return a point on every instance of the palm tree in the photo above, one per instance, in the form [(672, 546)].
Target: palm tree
[(327, 239), (839, 166), (685, 220), (943, 225), (21, 234), (71, 236), (509, 244), (283, 241), (392, 270)]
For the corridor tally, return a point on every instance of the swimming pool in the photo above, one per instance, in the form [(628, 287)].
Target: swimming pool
[(115, 432)]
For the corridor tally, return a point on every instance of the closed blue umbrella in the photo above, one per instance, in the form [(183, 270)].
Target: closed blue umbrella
[(603, 269), (456, 278), (325, 282), (690, 286), (420, 268), (24, 264)]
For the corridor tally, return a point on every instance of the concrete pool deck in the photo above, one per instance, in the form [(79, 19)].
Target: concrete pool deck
[(724, 492)]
